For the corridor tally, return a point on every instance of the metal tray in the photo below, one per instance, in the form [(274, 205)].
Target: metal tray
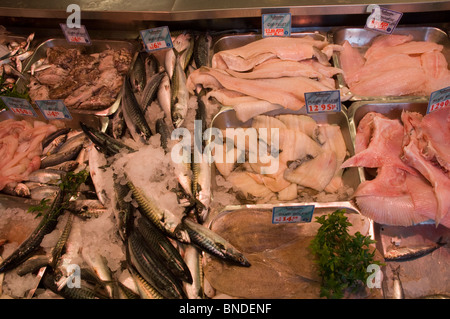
[(227, 42), (391, 109), (362, 38), (271, 249), (97, 46), (226, 118), (423, 276)]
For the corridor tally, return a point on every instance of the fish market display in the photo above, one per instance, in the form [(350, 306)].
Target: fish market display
[(410, 67), (412, 183), (83, 81), (268, 74), (307, 158)]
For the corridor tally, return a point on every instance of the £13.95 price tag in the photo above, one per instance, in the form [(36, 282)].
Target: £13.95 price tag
[(323, 101), (382, 20), (156, 39), (439, 99), (54, 109), (19, 106), (76, 35), (276, 25), (292, 214)]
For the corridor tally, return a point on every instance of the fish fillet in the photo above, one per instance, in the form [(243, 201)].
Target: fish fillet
[(351, 61), (246, 184), (384, 41), (384, 148), (298, 122)]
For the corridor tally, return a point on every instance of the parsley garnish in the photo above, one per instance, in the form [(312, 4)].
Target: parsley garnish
[(342, 258)]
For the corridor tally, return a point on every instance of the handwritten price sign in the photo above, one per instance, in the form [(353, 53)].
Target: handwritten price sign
[(292, 214), (76, 35), (19, 106), (54, 109), (439, 99), (156, 39), (276, 25), (382, 20), (324, 101)]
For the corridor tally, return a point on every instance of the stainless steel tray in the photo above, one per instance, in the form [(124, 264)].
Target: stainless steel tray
[(423, 276), (391, 109), (361, 39), (281, 265), (226, 118), (97, 46)]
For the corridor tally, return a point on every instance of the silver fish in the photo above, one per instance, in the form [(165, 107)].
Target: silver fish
[(180, 95), (398, 292), (46, 191), (193, 258), (410, 253), (46, 176), (164, 98)]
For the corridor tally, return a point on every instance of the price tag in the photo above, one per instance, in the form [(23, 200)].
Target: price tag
[(292, 214), (19, 106), (439, 99), (276, 25), (156, 39), (54, 109), (76, 35), (323, 101), (382, 20)]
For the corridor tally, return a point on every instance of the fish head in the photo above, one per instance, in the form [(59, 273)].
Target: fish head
[(237, 256), (181, 234)]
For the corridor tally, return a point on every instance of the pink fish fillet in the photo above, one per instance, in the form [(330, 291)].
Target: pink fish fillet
[(436, 131), (351, 61), (434, 174), (387, 200), (384, 41), (364, 131), (436, 69), (384, 148), (393, 82)]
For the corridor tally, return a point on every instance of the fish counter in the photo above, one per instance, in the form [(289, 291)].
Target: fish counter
[(199, 171)]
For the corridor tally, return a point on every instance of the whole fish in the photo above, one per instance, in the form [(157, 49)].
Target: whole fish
[(48, 139), (118, 125), (146, 290), (202, 189), (32, 243), (105, 143), (160, 244), (45, 191), (54, 145), (46, 176), (134, 116), (33, 264), (202, 50), (193, 259), (67, 166), (61, 243), (169, 62), (61, 156), (180, 95), (149, 266), (74, 140), (21, 189), (99, 266), (164, 97), (186, 54), (152, 66), (138, 73), (161, 218), (398, 292), (150, 90), (212, 243), (125, 210), (163, 130), (410, 253)]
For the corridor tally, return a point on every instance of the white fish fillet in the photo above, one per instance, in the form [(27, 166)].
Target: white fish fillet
[(298, 122)]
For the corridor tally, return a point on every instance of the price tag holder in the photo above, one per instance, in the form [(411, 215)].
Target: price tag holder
[(76, 35), (323, 101), (292, 214), (382, 20), (54, 109), (439, 99), (156, 39), (19, 106), (276, 25)]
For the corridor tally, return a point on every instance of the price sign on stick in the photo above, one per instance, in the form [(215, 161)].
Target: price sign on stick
[(323, 101), (382, 20), (439, 99), (54, 109), (276, 25), (292, 214), (19, 106), (156, 39), (76, 35)]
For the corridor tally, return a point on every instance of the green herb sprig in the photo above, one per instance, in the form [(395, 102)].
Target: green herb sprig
[(342, 258)]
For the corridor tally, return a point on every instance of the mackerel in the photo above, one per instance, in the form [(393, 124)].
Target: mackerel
[(410, 253), (180, 95), (150, 90), (212, 243), (149, 267), (202, 50), (134, 116), (125, 210), (32, 243), (161, 245), (61, 156), (193, 258), (146, 290)]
